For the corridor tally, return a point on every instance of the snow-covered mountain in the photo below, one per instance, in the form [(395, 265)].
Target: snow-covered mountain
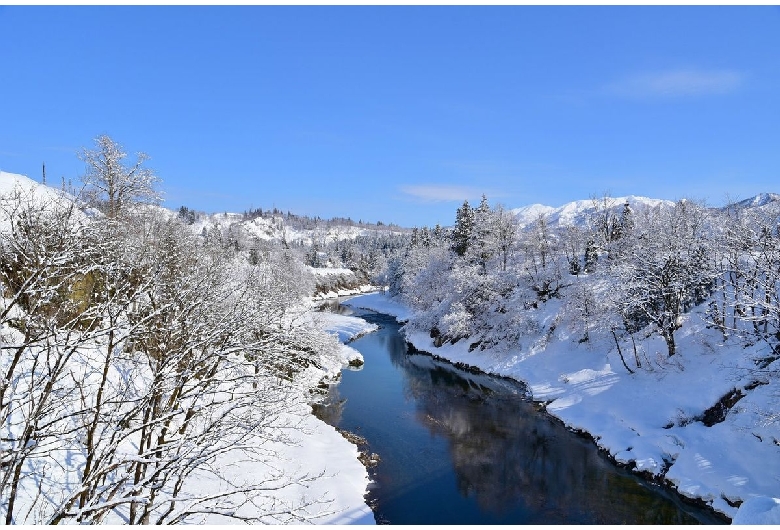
[(578, 213), (762, 199), (763, 204)]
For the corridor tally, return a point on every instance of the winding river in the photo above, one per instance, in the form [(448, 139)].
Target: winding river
[(464, 448)]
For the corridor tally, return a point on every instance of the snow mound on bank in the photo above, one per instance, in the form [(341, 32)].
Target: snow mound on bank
[(759, 510)]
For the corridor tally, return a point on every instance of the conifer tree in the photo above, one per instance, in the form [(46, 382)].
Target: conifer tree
[(591, 256), (464, 225), (482, 234)]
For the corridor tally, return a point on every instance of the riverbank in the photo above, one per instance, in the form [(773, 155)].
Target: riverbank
[(651, 421), (322, 449), (333, 479), (326, 473)]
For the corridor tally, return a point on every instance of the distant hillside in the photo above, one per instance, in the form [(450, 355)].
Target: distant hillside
[(293, 229)]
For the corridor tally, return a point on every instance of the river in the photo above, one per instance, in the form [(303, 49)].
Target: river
[(467, 448)]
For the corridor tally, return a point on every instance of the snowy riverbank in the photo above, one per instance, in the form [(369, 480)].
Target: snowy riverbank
[(321, 450), (649, 420)]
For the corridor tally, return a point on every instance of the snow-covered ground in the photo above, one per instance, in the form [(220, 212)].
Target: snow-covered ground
[(649, 420), (318, 451), (381, 303), (321, 450), (346, 327)]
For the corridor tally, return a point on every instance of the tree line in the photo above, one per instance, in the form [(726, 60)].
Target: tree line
[(627, 271)]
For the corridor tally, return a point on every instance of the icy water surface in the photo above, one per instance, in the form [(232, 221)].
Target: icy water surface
[(463, 448)]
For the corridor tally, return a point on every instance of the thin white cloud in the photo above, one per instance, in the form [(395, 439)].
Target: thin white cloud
[(678, 83), (442, 193)]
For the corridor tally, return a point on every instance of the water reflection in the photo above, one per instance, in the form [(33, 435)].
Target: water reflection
[(464, 448), (334, 306)]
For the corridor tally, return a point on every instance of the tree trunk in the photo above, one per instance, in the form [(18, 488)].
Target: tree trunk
[(670, 344)]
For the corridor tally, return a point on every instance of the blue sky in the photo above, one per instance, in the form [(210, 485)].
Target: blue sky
[(399, 113)]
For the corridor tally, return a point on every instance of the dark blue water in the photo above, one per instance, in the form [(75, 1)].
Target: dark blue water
[(463, 448)]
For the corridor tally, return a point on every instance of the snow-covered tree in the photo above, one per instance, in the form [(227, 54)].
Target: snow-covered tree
[(667, 269), (110, 183), (504, 233), (464, 226), (541, 266), (482, 241), (139, 359), (604, 222)]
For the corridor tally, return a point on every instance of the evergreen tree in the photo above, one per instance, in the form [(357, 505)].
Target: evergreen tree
[(438, 234), (425, 236), (415, 238), (626, 219), (482, 234), (591, 256), (464, 225)]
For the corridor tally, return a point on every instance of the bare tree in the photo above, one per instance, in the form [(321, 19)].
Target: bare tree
[(110, 183), (542, 265), (505, 233), (46, 262)]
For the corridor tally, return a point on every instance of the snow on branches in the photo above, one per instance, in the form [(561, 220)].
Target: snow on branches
[(147, 374)]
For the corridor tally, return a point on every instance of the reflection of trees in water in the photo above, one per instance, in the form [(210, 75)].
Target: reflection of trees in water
[(331, 407), (396, 347), (334, 306), (514, 461), (507, 455)]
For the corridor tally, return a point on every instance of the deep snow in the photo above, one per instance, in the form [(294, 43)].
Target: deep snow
[(648, 420)]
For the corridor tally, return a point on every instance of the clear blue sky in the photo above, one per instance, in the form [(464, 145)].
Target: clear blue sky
[(399, 113)]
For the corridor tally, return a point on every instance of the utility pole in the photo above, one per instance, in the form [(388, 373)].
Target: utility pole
[(44, 173)]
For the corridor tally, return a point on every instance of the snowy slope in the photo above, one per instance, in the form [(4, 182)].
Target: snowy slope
[(11, 182), (34, 194)]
